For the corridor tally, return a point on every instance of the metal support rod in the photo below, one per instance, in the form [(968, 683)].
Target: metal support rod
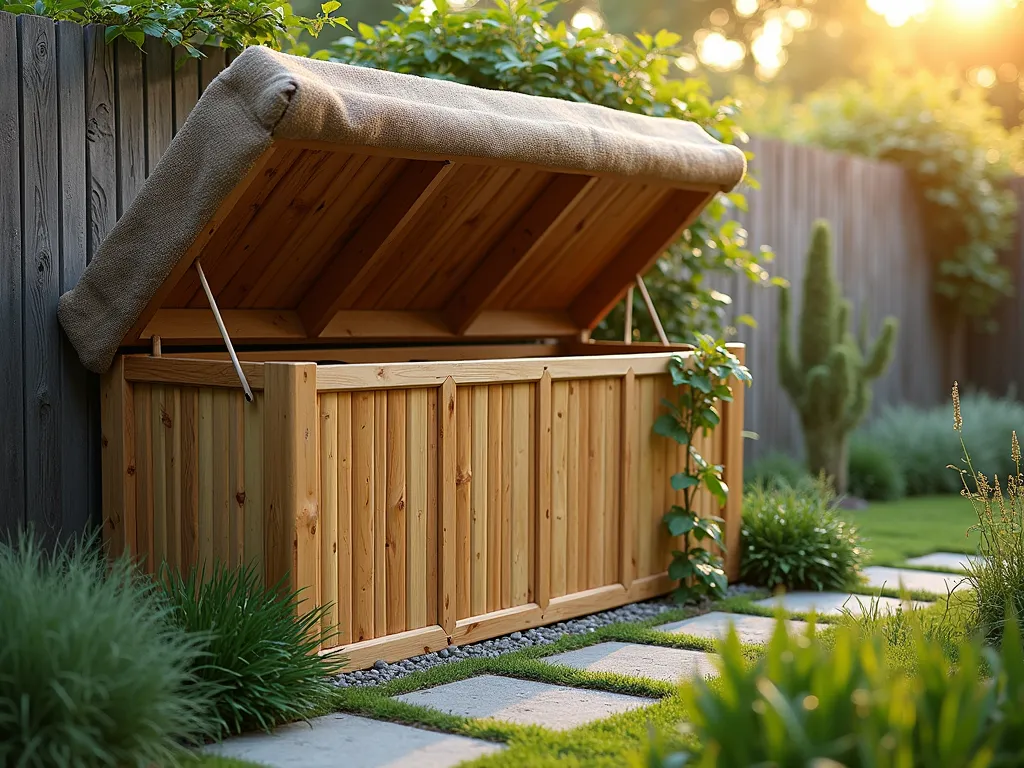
[(628, 335), (650, 308), (224, 332)]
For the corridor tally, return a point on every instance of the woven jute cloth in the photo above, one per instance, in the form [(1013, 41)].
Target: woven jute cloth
[(264, 95)]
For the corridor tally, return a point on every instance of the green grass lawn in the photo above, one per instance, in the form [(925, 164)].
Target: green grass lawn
[(894, 531)]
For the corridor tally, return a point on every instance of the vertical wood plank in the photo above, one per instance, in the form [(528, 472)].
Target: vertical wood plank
[(646, 535), (560, 486), (144, 478), (212, 63), (158, 69), (205, 474), (381, 587), (490, 452), (519, 517), (595, 483), (118, 459), (416, 481), (78, 412), (12, 404), (628, 482), (531, 511), (464, 484), (661, 491), (582, 482), (507, 459), (330, 490), (221, 477), (101, 140), (41, 272), (612, 460), (572, 477), (190, 476), (396, 513), (186, 86), (346, 498), (291, 485), (544, 505), (433, 533), (158, 431), (362, 517), (172, 437), (130, 124), (448, 419)]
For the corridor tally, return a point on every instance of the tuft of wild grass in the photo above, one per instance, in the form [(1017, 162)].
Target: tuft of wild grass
[(260, 659), (997, 577), (92, 671)]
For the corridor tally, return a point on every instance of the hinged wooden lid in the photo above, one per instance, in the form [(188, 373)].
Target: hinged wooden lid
[(372, 206)]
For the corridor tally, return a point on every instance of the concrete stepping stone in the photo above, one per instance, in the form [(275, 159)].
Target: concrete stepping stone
[(715, 625), (670, 665), (525, 702), (834, 603), (950, 560), (349, 740), (906, 578)]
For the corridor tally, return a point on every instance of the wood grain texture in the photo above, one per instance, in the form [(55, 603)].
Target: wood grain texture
[(416, 480), (12, 409), (543, 564), (382, 586), (330, 492), (363, 569), (464, 484), (448, 473), (395, 534)]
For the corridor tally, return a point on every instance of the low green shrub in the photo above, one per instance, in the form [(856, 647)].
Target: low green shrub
[(92, 672), (794, 538), (260, 650), (874, 473), (923, 443), (844, 703), (776, 470)]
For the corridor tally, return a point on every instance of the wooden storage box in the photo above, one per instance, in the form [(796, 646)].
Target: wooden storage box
[(430, 503), (410, 270)]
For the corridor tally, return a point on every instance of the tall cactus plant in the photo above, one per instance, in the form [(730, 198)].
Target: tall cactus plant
[(829, 381)]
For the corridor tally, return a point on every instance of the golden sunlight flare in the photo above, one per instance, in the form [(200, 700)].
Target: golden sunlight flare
[(587, 18)]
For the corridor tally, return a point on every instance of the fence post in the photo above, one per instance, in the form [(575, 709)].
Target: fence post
[(291, 479), (117, 459), (732, 429)]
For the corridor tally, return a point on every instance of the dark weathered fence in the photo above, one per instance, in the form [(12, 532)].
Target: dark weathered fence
[(997, 360), (880, 262), (81, 124)]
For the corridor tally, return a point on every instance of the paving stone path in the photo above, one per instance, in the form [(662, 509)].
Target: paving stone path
[(363, 743)]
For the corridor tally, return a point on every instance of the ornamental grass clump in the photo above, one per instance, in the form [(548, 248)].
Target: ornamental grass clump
[(260, 647), (997, 577), (795, 538), (92, 672)]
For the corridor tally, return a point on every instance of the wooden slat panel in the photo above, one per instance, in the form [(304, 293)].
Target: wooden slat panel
[(12, 408), (492, 456), (661, 491), (186, 86), (362, 516), (173, 475), (433, 541), (158, 433), (544, 472), (465, 483), (583, 489), (40, 249), (189, 455), (595, 464), (645, 477), (144, 477), (131, 123), (519, 513), (330, 491), (574, 509), (346, 501), (485, 488), (159, 115), (221, 477), (448, 473), (612, 463), (380, 512), (253, 505), (507, 464), (236, 477), (396, 511), (628, 473), (416, 484), (560, 487), (205, 490)]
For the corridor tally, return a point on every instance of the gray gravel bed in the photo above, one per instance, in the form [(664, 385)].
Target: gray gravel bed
[(383, 672)]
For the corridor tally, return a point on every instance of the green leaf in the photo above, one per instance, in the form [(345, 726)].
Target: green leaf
[(366, 31), (681, 569), (681, 481), (710, 416), (701, 382), (330, 7), (666, 39), (718, 489), (679, 521), (668, 426)]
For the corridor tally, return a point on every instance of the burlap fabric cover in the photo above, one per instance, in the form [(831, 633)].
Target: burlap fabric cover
[(265, 95)]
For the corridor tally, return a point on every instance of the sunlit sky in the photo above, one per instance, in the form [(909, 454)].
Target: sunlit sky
[(768, 46)]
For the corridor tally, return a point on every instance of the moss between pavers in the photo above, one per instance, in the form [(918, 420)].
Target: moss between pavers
[(607, 742)]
